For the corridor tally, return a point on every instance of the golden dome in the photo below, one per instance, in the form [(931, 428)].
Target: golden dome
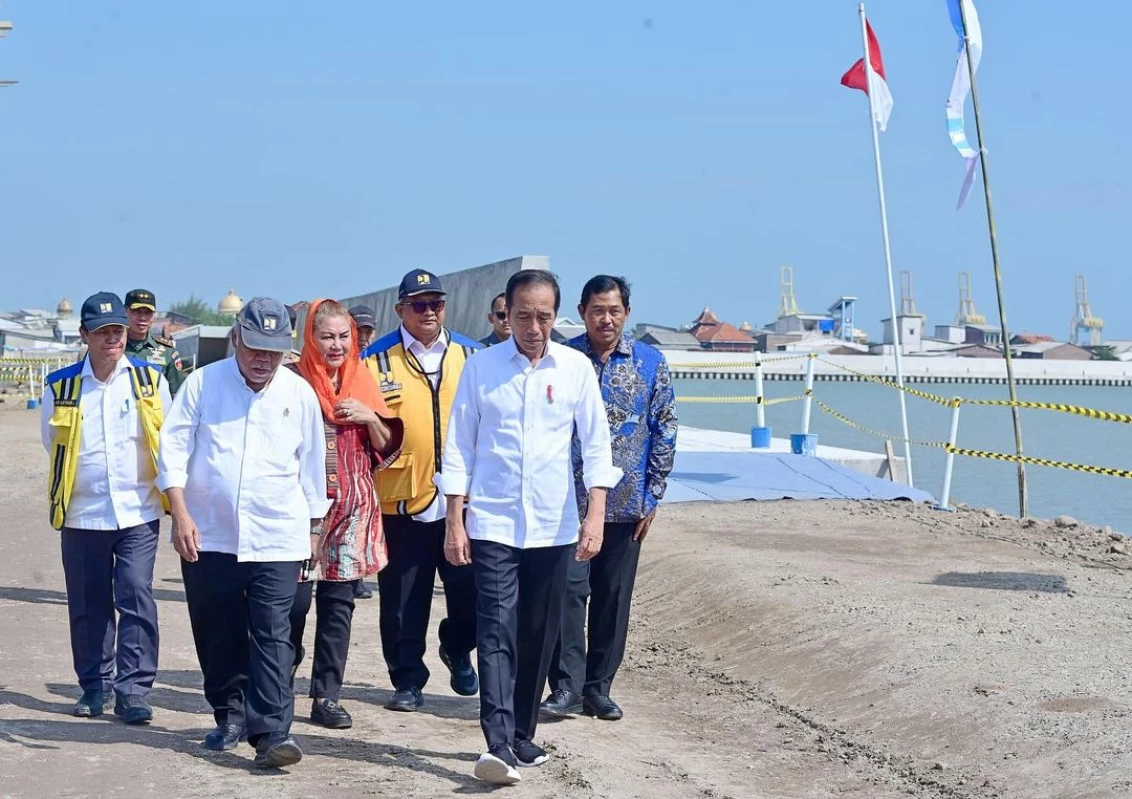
[(64, 309), (745, 327), (231, 304)]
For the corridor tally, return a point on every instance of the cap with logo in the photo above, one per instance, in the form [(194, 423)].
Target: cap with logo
[(103, 309), (364, 316), (140, 298), (265, 325), (419, 282)]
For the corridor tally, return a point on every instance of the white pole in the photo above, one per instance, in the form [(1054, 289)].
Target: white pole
[(949, 464), (808, 402), (760, 401), (887, 251)]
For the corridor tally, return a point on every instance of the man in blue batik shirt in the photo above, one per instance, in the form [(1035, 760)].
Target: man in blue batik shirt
[(637, 389)]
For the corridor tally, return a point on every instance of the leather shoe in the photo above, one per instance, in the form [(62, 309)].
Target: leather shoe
[(464, 680), (601, 707), (224, 737), (562, 704), (133, 709), (330, 714), (277, 750), (91, 705), (406, 700)]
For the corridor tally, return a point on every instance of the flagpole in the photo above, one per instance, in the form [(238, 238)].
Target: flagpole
[(896, 338), (1023, 499)]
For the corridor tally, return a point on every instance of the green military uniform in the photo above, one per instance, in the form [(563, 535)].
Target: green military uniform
[(157, 350)]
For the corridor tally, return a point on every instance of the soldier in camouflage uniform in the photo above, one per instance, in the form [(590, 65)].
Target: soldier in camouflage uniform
[(142, 343)]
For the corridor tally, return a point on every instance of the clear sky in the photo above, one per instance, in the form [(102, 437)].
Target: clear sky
[(307, 149)]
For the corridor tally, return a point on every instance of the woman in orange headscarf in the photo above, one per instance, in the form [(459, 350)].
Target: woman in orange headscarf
[(361, 437)]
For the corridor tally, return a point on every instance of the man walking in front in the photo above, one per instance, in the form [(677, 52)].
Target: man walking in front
[(637, 389), (101, 418), (243, 462), (141, 342), (500, 327), (417, 367), (508, 455)]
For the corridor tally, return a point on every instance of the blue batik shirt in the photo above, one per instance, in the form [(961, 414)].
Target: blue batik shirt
[(637, 389)]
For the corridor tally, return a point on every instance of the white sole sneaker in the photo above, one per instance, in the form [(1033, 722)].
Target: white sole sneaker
[(538, 761), (490, 768)]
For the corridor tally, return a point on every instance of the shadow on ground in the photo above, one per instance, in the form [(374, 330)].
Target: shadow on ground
[(1005, 581)]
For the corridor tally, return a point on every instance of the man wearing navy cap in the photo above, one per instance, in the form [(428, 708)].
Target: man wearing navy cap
[(418, 366), (366, 321), (101, 419), (243, 462), (141, 342)]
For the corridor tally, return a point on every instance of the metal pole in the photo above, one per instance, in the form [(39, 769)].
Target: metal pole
[(808, 402), (949, 464), (897, 348), (1023, 499), (760, 398)]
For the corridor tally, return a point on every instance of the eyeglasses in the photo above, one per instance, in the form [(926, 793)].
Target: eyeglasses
[(419, 307), (500, 315)]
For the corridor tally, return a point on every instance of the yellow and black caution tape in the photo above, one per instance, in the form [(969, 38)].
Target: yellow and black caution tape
[(742, 364), (1077, 410), (936, 398), (721, 400), (1073, 467), (879, 434), (780, 400)]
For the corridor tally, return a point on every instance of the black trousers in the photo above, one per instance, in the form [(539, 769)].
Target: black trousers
[(607, 581), (334, 613), (416, 554), (519, 606), (240, 615), (108, 570)]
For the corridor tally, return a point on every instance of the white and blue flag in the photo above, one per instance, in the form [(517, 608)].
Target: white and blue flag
[(961, 87)]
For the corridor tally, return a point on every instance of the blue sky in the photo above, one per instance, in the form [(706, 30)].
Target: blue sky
[(324, 149)]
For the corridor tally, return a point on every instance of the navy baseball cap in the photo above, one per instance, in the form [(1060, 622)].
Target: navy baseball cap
[(265, 325), (102, 309), (363, 316), (419, 282)]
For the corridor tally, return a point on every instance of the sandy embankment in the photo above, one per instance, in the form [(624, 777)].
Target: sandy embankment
[(778, 650)]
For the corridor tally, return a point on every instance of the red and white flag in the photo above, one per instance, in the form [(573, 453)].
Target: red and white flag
[(881, 98)]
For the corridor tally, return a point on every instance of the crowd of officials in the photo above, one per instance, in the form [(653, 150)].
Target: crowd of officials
[(523, 472)]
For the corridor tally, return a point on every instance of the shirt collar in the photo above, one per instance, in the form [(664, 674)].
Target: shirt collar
[(123, 366), (624, 346), (516, 355), (439, 345)]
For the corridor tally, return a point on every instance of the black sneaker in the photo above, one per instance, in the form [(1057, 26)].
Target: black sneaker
[(362, 591), (133, 709), (498, 766), (92, 704), (331, 715), (464, 680), (561, 704), (277, 750), (406, 700), (529, 754)]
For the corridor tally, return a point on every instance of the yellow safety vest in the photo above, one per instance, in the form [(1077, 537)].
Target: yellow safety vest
[(67, 425), (405, 486)]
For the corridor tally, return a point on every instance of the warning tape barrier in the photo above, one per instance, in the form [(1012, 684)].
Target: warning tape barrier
[(1076, 410), (765, 401), (879, 434), (742, 364), (1074, 467)]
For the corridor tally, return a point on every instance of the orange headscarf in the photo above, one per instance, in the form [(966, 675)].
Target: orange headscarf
[(354, 380)]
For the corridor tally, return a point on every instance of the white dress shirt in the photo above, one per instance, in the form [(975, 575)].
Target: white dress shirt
[(430, 359), (252, 464), (114, 484), (508, 446)]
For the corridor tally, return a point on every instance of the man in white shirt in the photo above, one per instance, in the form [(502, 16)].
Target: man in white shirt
[(509, 455), (243, 462), (418, 366), (99, 424)]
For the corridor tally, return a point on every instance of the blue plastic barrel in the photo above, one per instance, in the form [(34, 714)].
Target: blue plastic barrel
[(804, 443), (760, 437)]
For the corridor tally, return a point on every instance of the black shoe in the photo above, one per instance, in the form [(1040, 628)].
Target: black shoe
[(406, 700), (601, 707), (277, 750), (92, 704), (498, 766), (362, 591), (562, 704), (529, 754), (133, 709), (464, 680), (224, 737), (331, 715)]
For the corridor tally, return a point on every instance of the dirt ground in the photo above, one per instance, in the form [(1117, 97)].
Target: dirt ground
[(790, 649)]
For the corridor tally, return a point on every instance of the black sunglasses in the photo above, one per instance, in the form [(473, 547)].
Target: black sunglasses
[(419, 307), (500, 315)]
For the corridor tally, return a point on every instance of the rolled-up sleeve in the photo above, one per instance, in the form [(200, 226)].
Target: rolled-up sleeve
[(592, 426), (178, 434), (312, 456), (459, 459)]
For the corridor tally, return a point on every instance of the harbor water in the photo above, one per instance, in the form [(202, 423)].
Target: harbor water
[(1094, 499)]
